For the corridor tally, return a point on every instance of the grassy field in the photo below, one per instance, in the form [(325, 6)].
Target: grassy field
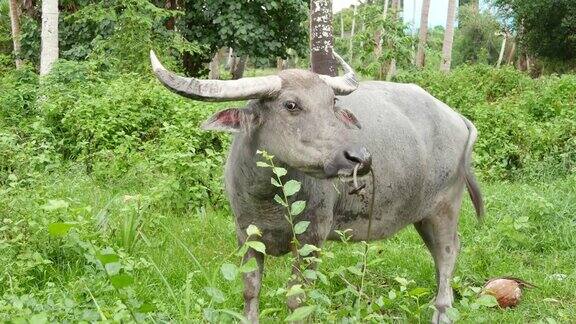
[(168, 257)]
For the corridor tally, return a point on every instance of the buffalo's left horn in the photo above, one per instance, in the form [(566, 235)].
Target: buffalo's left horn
[(216, 90), (345, 84)]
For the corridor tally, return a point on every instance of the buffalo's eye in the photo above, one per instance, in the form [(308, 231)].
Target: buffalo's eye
[(291, 106)]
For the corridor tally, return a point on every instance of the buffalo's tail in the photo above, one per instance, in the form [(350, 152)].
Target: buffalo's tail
[(471, 182)]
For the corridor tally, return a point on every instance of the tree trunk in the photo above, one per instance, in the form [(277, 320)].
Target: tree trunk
[(512, 52), (215, 67), (351, 50), (342, 25), (15, 23), (502, 49), (239, 67), (170, 5), (280, 64), (423, 35), (321, 39), (448, 37), (392, 68), (49, 52)]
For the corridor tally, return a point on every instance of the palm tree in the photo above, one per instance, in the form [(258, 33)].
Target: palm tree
[(15, 23), (49, 52), (423, 34), (321, 38), (448, 37)]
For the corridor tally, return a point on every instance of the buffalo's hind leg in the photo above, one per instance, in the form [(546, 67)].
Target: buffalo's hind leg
[(440, 234), (252, 284)]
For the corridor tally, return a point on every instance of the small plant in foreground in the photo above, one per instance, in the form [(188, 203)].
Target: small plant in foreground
[(303, 255)]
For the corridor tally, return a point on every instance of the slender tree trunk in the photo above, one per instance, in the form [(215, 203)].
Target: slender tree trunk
[(423, 35), (351, 50), (502, 49), (15, 23), (238, 71), (342, 25), (215, 67), (512, 52), (170, 5), (49, 52), (321, 39), (392, 68), (448, 37)]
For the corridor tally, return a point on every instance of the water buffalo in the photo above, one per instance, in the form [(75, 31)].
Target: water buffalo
[(320, 127)]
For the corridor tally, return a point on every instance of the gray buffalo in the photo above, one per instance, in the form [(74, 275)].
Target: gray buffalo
[(320, 128)]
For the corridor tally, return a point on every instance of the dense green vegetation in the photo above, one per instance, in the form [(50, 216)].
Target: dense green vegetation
[(111, 197), (110, 193)]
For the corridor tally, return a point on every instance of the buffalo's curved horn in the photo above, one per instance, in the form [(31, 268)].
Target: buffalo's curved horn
[(216, 90), (345, 84)]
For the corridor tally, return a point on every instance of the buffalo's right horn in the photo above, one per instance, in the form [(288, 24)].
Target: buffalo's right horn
[(216, 90), (345, 84)]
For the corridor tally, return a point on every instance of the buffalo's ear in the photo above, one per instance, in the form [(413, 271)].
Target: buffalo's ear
[(347, 117), (231, 120)]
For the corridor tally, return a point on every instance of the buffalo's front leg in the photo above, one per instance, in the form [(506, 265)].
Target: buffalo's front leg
[(252, 284)]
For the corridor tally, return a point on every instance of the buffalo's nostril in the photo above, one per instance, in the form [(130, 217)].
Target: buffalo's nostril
[(359, 156), (352, 156)]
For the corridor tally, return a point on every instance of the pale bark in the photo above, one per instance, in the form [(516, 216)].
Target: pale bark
[(49, 51), (281, 64), (423, 34), (341, 24), (230, 59), (238, 71), (351, 50), (512, 52), (321, 38), (502, 48), (392, 68), (448, 37), (215, 67), (15, 24)]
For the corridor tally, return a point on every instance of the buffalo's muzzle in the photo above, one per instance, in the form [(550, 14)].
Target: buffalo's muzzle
[(344, 162)]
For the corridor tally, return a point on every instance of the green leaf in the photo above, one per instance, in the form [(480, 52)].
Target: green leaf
[(216, 294), (146, 308), (295, 290), (253, 230), (120, 281), (453, 314), (354, 270), (262, 164), (300, 313), (54, 204), (297, 207), (280, 172), (275, 182), (301, 227), (401, 281), (229, 271), (280, 201), (107, 258), (487, 301), (59, 229), (249, 266), (291, 187), (310, 274), (258, 246), (307, 249), (392, 294)]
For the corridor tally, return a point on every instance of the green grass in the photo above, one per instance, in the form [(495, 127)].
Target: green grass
[(529, 232)]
